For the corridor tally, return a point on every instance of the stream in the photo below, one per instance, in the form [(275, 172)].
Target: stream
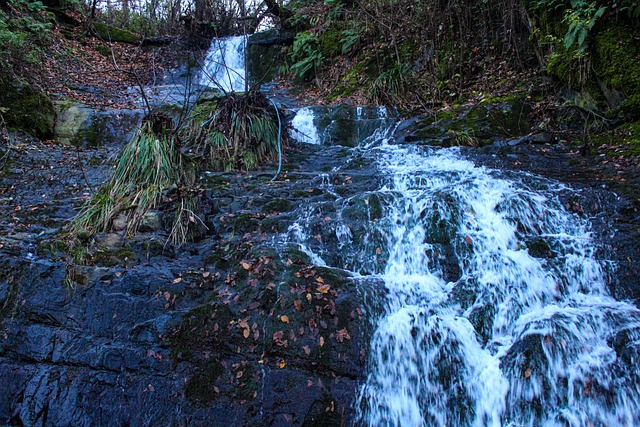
[(376, 283), (524, 333)]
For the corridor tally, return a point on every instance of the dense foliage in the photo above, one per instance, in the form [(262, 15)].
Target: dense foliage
[(410, 54)]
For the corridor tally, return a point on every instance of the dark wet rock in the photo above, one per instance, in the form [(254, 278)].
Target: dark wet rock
[(84, 126), (271, 37), (346, 125), (266, 52), (137, 333)]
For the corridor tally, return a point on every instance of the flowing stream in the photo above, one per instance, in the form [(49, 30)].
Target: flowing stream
[(494, 310)]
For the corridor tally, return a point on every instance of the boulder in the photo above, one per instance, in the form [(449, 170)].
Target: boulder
[(27, 108)]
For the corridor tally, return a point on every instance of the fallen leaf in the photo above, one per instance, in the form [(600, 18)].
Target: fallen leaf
[(282, 364), (298, 305), (321, 341), (343, 334), (468, 240), (323, 289), (178, 280), (206, 274), (246, 333), (307, 350), (527, 372), (284, 318), (379, 251), (245, 265)]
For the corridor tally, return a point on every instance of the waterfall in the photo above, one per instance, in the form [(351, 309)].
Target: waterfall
[(495, 311), (303, 128), (224, 66)]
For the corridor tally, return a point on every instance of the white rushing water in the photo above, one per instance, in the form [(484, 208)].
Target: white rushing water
[(521, 331), (224, 66), (303, 128), (518, 340)]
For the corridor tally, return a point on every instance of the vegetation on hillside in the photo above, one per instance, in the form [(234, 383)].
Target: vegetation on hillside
[(409, 54)]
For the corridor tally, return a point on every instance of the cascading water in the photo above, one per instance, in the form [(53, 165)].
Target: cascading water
[(302, 127), (495, 310), (224, 66)]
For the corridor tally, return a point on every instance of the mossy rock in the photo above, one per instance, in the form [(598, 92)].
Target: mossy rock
[(103, 50), (474, 125), (114, 34), (113, 257), (264, 62), (278, 205), (26, 108), (616, 62)]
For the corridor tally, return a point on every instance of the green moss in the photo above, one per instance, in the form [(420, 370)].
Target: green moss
[(197, 333), (109, 33), (616, 61), (113, 257), (93, 135), (331, 43), (28, 109), (104, 50), (278, 205), (246, 223), (623, 141), (201, 386)]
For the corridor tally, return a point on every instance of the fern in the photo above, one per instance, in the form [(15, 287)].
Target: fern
[(306, 54)]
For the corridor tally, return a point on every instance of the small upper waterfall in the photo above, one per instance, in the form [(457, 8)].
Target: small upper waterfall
[(495, 311), (224, 66)]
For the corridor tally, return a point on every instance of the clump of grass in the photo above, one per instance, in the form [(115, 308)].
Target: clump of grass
[(149, 165), (240, 133), (391, 87), (237, 132)]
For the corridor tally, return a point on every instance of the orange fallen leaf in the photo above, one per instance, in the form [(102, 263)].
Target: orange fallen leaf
[(284, 318), (323, 289), (178, 280), (321, 341)]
